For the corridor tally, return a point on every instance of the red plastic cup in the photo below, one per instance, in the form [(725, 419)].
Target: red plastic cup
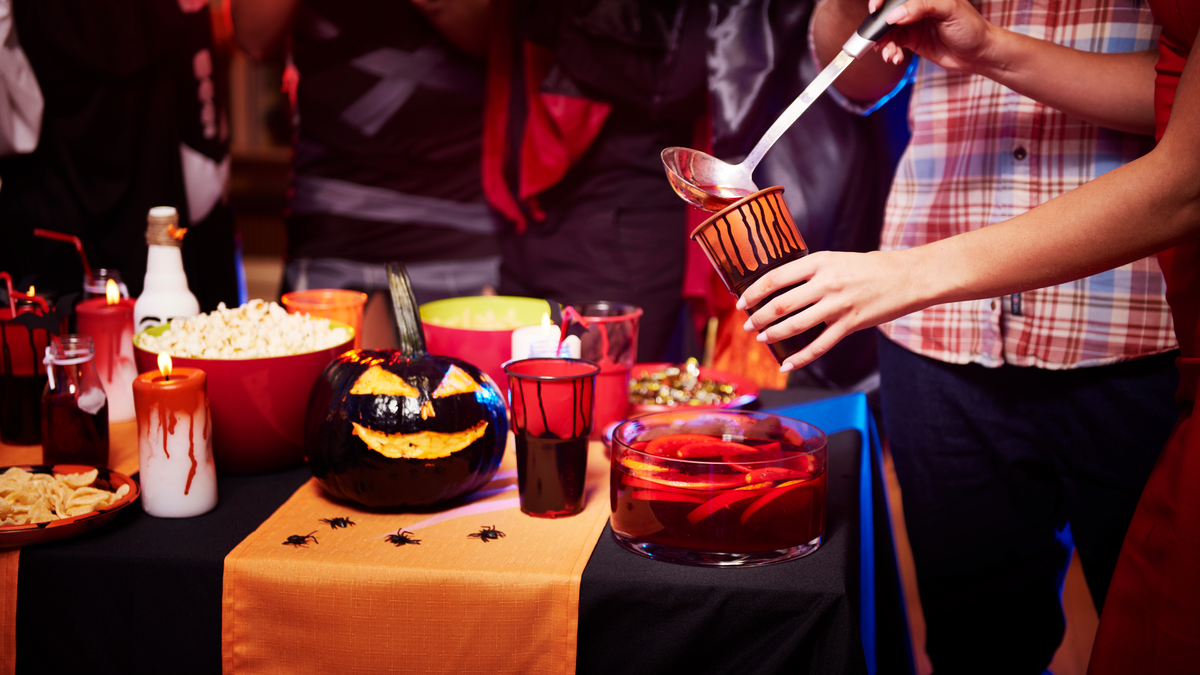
[(749, 238), (551, 403), (610, 341), (330, 303)]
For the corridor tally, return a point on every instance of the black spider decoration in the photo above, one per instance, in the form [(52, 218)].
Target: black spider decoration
[(487, 532), (335, 523), (299, 540), (401, 538)]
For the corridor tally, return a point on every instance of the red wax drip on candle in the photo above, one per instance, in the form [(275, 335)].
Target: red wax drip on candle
[(163, 420), (191, 452), (186, 394)]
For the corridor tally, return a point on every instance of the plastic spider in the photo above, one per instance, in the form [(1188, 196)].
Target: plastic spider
[(335, 523), (487, 532), (401, 538), (299, 540)]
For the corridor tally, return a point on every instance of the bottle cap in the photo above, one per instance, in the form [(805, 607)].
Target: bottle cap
[(162, 227)]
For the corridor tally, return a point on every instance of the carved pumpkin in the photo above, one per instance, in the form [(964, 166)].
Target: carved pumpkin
[(401, 427)]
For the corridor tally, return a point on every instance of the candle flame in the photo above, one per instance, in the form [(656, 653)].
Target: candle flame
[(164, 364), (112, 292), (545, 320), (30, 291)]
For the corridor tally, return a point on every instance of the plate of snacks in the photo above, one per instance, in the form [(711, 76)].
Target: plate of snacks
[(46, 503), (659, 387)]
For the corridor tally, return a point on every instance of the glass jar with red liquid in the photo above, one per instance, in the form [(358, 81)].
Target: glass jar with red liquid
[(74, 405), (718, 488)]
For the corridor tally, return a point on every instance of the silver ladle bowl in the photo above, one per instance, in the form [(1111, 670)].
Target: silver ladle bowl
[(711, 184)]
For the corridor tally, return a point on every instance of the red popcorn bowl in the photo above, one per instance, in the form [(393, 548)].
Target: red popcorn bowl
[(718, 488), (257, 405), (478, 329)]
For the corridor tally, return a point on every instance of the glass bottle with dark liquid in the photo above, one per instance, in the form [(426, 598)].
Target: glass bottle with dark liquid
[(74, 405)]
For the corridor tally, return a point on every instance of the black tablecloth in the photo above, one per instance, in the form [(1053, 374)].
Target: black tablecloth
[(143, 595), (638, 615)]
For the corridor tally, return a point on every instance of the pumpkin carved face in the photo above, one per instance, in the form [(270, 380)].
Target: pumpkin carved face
[(390, 429)]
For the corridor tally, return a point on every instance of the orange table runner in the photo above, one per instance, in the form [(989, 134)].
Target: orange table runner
[(351, 602), (122, 457)]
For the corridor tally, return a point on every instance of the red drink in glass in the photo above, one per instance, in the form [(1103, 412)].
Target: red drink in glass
[(71, 435), (748, 494), (21, 408), (550, 402), (550, 474)]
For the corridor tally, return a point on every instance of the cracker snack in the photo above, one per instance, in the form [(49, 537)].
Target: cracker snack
[(27, 498)]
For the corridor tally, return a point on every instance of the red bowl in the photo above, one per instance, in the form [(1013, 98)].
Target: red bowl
[(486, 348), (257, 405)]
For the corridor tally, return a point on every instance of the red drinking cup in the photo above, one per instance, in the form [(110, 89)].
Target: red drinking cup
[(551, 401), (749, 238)]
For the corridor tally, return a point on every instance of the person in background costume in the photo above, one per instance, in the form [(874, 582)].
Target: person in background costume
[(582, 98), (133, 119), (389, 104)]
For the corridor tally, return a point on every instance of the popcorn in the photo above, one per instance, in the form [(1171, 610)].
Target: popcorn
[(257, 329)]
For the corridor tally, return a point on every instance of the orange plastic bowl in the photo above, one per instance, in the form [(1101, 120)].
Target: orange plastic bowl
[(257, 405)]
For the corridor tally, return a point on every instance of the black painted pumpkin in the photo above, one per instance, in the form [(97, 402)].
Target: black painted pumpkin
[(390, 428)]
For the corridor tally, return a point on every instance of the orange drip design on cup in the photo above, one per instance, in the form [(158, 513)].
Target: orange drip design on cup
[(749, 237)]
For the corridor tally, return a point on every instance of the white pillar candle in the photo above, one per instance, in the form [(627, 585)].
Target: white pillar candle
[(175, 460), (535, 341)]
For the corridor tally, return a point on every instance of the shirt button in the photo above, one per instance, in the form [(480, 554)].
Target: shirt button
[(1020, 153), (993, 305)]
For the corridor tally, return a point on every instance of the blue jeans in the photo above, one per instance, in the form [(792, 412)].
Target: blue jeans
[(993, 464), (434, 280)]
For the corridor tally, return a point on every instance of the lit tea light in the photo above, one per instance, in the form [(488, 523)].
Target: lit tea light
[(109, 322), (31, 302), (175, 460)]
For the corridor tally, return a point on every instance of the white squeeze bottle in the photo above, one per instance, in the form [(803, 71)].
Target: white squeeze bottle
[(165, 294)]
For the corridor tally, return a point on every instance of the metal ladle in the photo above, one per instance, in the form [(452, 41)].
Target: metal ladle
[(709, 183)]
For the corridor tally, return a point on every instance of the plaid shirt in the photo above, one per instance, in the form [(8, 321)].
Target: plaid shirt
[(981, 154)]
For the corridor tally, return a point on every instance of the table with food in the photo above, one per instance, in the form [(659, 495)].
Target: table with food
[(508, 490)]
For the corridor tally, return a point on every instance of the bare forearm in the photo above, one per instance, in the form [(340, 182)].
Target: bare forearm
[(1129, 213), (869, 77), (1110, 90), (261, 26)]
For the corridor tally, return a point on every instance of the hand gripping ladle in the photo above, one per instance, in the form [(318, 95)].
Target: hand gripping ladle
[(709, 183)]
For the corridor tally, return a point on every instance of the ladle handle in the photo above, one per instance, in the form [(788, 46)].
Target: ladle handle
[(871, 30)]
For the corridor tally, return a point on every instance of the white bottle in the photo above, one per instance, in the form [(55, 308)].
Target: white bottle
[(165, 294)]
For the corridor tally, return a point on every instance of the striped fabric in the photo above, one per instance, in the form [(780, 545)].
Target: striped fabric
[(981, 154)]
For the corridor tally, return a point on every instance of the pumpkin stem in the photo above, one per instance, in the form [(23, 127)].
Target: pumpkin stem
[(410, 334)]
